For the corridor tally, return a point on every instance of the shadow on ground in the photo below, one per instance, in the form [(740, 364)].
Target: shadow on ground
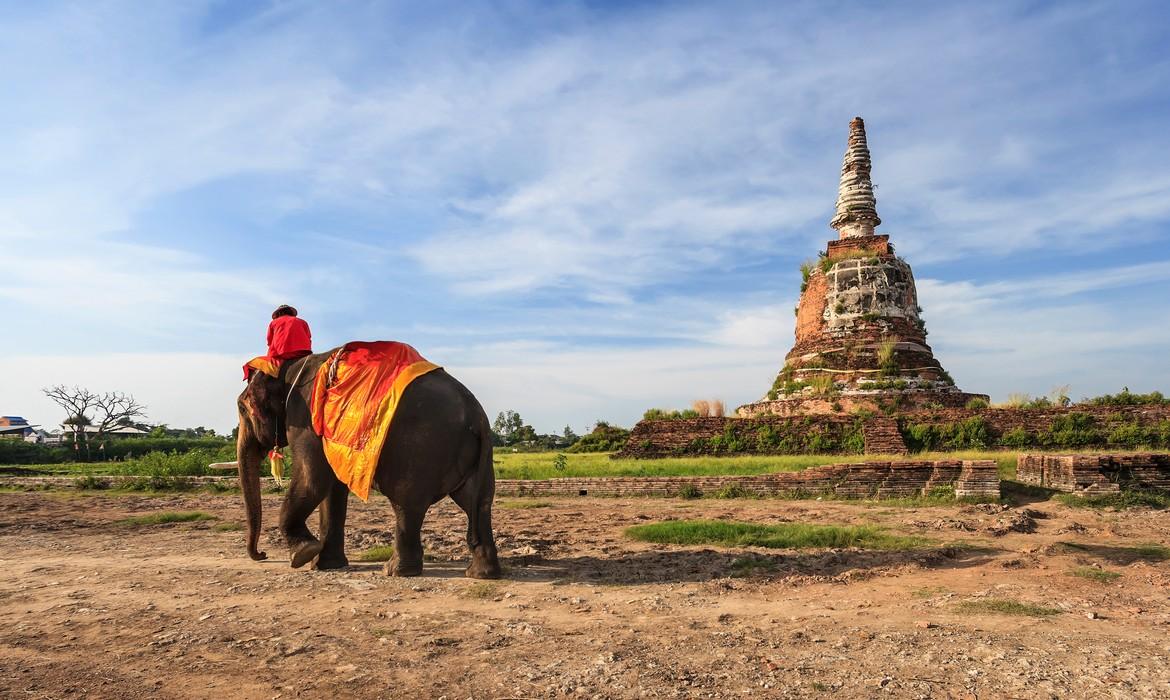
[(690, 566), (1120, 555)]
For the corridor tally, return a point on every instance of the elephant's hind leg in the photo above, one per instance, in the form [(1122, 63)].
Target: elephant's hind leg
[(408, 552), (481, 543), (332, 520)]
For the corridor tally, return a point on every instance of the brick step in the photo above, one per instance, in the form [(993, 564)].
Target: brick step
[(882, 436)]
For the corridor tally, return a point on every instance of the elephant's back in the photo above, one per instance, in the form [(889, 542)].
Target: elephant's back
[(437, 399)]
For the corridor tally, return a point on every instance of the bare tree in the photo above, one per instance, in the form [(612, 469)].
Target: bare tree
[(101, 411)]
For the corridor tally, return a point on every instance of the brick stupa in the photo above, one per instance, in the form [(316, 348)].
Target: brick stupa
[(860, 342)]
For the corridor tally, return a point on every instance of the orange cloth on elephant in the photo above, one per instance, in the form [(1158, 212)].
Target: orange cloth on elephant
[(265, 364), (354, 399)]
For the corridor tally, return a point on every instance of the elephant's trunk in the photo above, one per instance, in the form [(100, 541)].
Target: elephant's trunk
[(249, 455)]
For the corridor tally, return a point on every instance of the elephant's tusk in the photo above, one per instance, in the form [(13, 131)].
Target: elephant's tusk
[(224, 465)]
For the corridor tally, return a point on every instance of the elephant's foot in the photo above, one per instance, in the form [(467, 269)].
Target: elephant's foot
[(394, 567), (483, 567), (481, 570), (304, 552), (325, 563)]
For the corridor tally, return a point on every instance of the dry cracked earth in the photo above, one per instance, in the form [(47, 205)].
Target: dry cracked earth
[(93, 608)]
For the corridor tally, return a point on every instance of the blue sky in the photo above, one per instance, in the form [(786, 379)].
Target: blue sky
[(582, 210)]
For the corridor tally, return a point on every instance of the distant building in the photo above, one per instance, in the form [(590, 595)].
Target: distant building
[(116, 431), (17, 428)]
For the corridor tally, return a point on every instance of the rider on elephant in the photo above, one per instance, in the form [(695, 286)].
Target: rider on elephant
[(288, 336)]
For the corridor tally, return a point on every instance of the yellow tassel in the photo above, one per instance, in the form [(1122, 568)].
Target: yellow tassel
[(277, 459)]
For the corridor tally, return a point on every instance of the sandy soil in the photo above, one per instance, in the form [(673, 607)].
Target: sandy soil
[(92, 608)]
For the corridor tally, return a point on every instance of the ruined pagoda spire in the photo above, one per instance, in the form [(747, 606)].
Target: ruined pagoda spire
[(856, 206)]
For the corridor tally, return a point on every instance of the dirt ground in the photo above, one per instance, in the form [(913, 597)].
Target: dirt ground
[(93, 608)]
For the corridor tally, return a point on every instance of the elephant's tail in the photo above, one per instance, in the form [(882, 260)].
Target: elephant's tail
[(485, 476)]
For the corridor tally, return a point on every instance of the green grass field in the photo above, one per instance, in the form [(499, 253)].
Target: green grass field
[(540, 465), (543, 465)]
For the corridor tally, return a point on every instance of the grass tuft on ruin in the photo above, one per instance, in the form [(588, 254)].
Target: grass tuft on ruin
[(781, 536)]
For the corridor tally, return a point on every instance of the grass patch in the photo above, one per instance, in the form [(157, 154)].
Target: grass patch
[(166, 517), (481, 591), (227, 527), (380, 553), (1151, 551), (929, 591), (782, 536), (1099, 575), (1121, 501), (1004, 606), (524, 505)]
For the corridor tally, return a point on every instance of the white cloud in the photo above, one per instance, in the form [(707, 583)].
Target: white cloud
[(627, 164)]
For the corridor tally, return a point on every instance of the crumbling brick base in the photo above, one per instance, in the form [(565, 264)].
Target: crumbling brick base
[(1105, 473)]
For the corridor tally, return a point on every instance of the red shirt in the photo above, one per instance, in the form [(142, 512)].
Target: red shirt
[(288, 338)]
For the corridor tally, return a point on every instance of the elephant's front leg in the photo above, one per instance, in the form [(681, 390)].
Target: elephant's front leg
[(306, 490), (332, 519), (408, 552)]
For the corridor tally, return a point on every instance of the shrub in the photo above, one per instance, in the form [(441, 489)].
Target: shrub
[(970, 434), (660, 414), (162, 464), (689, 491), (806, 270), (853, 441), (1129, 435), (702, 407), (603, 438), (728, 442), (1073, 429), (1126, 398), (977, 403), (1017, 437), (21, 452), (91, 483), (731, 491), (767, 439)]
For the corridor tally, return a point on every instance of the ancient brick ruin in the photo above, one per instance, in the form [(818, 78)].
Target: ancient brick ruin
[(1056, 427), (860, 339), (1088, 474), (977, 479)]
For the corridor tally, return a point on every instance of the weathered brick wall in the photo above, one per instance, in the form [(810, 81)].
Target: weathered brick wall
[(1037, 421), (971, 478), (666, 438), (1034, 419), (915, 401), (1095, 473), (694, 436)]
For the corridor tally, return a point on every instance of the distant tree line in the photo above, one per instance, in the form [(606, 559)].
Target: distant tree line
[(510, 430)]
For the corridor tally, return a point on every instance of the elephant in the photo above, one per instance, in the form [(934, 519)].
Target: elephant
[(439, 444)]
